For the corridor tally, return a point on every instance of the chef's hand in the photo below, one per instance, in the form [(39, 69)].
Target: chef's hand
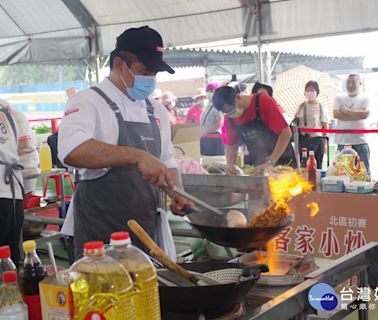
[(154, 171), (178, 202), (263, 166), (233, 170)]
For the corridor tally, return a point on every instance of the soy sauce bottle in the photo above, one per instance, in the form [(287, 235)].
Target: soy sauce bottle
[(33, 272)]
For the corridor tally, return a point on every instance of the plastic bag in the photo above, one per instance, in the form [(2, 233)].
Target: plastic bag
[(164, 237)]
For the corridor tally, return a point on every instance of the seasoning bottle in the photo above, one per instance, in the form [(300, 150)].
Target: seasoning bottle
[(11, 305), (304, 158), (45, 159), (311, 169), (33, 272), (6, 263)]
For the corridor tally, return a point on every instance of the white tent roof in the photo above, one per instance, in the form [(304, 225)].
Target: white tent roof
[(41, 31)]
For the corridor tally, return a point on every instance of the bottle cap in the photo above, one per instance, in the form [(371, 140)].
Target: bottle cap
[(311, 152), (94, 245), (119, 238), (304, 149), (5, 252), (9, 277), (29, 245)]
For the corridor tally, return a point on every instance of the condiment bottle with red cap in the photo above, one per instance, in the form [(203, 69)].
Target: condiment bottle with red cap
[(6, 263), (12, 307), (142, 272), (100, 287)]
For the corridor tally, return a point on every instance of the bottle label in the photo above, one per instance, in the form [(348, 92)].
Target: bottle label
[(34, 306)]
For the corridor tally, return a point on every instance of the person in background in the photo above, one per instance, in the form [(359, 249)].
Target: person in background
[(157, 95), (312, 114), (15, 140), (169, 102), (239, 87), (211, 143), (351, 109), (196, 109), (256, 121), (120, 142)]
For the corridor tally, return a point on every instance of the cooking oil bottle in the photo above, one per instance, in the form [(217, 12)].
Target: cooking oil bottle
[(142, 272), (100, 287)]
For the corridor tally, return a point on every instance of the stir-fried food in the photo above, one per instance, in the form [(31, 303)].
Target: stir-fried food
[(271, 216)]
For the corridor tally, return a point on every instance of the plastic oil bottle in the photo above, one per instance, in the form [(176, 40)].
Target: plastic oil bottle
[(349, 161), (45, 160), (100, 287), (11, 305), (6, 264), (142, 272)]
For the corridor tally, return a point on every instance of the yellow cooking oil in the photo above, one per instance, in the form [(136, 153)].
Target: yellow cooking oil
[(100, 287), (142, 272)]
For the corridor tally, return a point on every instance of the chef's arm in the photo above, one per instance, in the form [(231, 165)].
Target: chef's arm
[(281, 144), (231, 154), (93, 154), (176, 177)]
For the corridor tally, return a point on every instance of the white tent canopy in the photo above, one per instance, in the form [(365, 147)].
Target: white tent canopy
[(52, 31)]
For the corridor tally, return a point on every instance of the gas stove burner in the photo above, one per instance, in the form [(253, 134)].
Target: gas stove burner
[(232, 313)]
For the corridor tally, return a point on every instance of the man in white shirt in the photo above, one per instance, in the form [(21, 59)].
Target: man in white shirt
[(121, 143), (351, 109), (12, 143)]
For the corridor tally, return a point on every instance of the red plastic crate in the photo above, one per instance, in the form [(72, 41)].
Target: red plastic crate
[(31, 201)]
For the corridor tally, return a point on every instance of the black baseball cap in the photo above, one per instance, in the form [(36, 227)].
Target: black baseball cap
[(259, 85), (147, 45)]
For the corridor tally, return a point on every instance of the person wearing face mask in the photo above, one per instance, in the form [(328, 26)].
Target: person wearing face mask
[(169, 102), (211, 143), (120, 142), (256, 121), (351, 109), (312, 114), (195, 111)]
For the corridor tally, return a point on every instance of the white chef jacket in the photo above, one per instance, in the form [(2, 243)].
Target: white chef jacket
[(9, 151), (88, 116)]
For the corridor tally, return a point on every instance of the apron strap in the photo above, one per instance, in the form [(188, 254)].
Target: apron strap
[(10, 168), (257, 106), (110, 103)]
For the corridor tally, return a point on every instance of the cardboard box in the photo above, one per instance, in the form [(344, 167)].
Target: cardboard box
[(187, 137), (55, 302)]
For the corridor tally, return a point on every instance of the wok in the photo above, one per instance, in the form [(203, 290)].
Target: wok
[(207, 299), (212, 228)]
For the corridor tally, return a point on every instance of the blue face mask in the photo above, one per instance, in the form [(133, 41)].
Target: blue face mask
[(143, 86)]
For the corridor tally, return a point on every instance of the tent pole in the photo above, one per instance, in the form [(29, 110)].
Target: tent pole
[(259, 44)]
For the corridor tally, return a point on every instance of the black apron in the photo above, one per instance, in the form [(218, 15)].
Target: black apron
[(261, 141), (10, 168), (105, 205)]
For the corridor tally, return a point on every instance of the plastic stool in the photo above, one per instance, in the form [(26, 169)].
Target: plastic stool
[(57, 184)]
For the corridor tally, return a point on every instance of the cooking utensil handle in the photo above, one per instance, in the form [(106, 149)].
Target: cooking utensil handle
[(188, 196), (159, 253)]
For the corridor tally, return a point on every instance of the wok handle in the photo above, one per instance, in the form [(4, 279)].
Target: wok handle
[(187, 209), (158, 253)]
